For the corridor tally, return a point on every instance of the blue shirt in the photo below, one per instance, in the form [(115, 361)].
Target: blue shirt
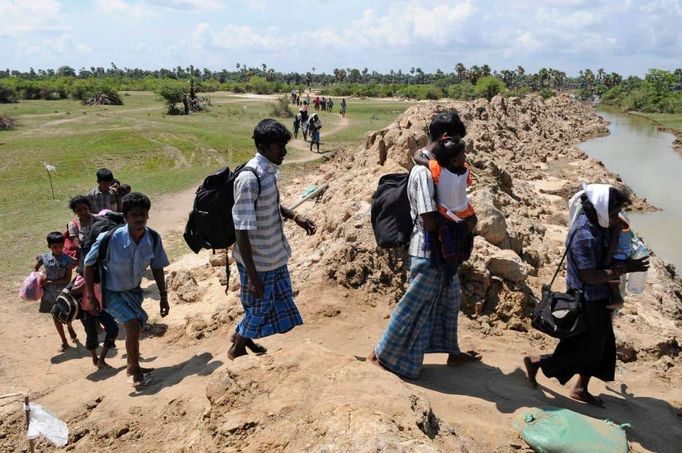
[(126, 261), (587, 250)]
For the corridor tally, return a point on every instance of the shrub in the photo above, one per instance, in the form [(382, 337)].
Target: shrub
[(6, 122), (517, 92), (172, 94), (281, 108), (7, 94), (489, 86), (463, 91), (546, 93)]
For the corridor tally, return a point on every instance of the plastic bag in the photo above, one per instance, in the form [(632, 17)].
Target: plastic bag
[(554, 430), (32, 288), (44, 423)]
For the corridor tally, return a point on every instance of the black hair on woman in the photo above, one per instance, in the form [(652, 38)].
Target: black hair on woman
[(617, 199), (447, 148), (79, 199)]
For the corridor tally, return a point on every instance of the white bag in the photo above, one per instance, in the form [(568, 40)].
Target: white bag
[(44, 423)]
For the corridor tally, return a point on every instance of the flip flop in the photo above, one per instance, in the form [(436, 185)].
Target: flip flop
[(590, 399), (464, 357), (146, 380)]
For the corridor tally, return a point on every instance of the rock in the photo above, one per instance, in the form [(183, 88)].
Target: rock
[(508, 265), (218, 258), (195, 328), (625, 349), (491, 221)]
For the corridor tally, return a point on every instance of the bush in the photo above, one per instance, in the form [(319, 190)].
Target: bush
[(173, 94), (489, 86), (7, 94), (517, 92), (463, 91), (546, 93), (6, 122), (281, 108)]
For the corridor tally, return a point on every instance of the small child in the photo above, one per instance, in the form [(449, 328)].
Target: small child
[(58, 266), (452, 176), (620, 250)]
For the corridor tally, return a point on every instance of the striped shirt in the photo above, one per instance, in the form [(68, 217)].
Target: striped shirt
[(260, 215), (100, 201), (421, 193)]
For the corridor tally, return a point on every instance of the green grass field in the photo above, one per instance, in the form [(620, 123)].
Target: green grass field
[(153, 152), (672, 121)]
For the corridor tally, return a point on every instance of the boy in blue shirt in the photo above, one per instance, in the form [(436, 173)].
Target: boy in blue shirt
[(129, 250)]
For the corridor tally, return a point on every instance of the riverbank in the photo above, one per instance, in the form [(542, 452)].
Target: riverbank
[(312, 391), (667, 122)]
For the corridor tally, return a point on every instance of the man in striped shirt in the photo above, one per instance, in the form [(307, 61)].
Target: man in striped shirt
[(262, 250)]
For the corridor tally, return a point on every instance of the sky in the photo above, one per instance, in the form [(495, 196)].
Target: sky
[(628, 36)]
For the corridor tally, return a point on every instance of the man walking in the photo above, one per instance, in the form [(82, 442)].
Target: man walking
[(262, 250), (425, 319), (129, 250)]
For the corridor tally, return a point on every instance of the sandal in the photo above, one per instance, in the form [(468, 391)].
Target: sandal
[(140, 380), (251, 345), (464, 357)]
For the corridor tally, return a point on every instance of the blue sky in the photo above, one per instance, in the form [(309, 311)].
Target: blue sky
[(625, 36)]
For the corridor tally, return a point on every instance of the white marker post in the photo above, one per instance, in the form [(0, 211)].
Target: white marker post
[(49, 169)]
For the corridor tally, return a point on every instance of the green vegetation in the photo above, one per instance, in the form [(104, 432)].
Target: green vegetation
[(153, 152), (488, 87), (659, 92)]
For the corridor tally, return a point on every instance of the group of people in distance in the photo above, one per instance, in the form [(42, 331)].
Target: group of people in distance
[(426, 318)]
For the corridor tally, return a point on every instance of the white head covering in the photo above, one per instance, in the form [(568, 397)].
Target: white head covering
[(598, 195)]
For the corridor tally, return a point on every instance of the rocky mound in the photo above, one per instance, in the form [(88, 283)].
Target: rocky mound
[(526, 165)]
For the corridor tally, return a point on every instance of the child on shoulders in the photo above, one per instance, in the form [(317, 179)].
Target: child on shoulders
[(452, 176)]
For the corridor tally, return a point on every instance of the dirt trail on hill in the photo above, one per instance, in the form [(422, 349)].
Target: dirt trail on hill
[(313, 391)]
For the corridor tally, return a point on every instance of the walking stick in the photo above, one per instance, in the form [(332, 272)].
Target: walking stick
[(27, 410), (51, 186)]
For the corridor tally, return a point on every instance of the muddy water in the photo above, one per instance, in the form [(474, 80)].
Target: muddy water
[(645, 159)]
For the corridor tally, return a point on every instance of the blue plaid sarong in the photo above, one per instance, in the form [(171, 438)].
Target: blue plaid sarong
[(125, 305), (276, 312), (424, 321)]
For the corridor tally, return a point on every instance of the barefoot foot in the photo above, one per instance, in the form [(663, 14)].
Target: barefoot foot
[(586, 397), (63, 347), (532, 367), (374, 360)]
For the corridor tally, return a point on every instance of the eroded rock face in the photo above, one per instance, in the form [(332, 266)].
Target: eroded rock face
[(522, 154)]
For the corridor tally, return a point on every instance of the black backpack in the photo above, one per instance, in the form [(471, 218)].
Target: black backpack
[(391, 215), (66, 308), (210, 224), (100, 224)]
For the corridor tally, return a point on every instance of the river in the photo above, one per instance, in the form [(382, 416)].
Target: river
[(645, 159)]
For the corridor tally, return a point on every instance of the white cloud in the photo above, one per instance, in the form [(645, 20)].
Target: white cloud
[(189, 5), (18, 16), (122, 8)]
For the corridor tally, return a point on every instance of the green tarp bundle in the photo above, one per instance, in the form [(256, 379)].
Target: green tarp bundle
[(555, 430)]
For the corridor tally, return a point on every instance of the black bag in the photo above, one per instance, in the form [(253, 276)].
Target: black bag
[(560, 315), (100, 224), (210, 224), (391, 215), (66, 308)]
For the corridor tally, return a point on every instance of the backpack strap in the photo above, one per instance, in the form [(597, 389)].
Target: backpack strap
[(253, 170)]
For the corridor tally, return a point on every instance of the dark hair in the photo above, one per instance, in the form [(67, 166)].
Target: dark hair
[(124, 189), (617, 199), (56, 237), (135, 200), (448, 148), (447, 122), (79, 199), (116, 181), (269, 131), (105, 175)]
